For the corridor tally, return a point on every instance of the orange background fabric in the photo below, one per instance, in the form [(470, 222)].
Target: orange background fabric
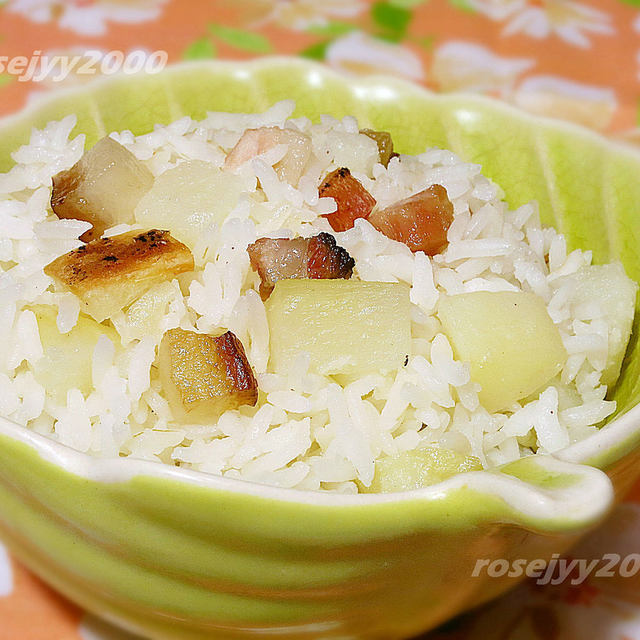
[(574, 60)]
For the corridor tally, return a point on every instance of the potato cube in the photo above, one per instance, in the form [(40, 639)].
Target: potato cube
[(509, 340), (203, 376), (147, 316), (609, 285), (66, 363), (419, 468), (102, 188), (188, 199), (347, 326), (109, 273), (354, 150)]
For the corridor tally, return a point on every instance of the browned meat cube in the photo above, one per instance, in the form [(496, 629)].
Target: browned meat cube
[(318, 257), (110, 273), (420, 221), (352, 199), (326, 260), (203, 376), (102, 188)]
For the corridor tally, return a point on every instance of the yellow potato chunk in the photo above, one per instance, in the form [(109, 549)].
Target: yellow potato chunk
[(509, 340), (347, 326), (109, 273), (102, 188), (203, 376), (189, 199), (609, 285), (144, 316), (66, 363), (419, 468)]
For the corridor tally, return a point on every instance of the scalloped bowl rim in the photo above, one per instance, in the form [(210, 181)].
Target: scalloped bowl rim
[(588, 498), (517, 493), (357, 84)]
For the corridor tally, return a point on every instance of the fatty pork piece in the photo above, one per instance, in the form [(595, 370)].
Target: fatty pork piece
[(203, 376), (420, 221), (352, 199), (102, 188), (317, 258), (110, 273), (255, 142)]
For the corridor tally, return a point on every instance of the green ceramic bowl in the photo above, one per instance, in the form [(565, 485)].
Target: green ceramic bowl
[(176, 554)]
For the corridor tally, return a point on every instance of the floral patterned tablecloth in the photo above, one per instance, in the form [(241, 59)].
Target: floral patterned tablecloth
[(578, 61)]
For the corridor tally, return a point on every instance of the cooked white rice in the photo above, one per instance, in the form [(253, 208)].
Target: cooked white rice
[(307, 431)]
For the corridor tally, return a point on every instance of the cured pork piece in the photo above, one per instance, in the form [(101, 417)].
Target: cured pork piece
[(255, 142), (420, 221), (108, 274), (204, 376), (318, 258), (102, 188), (352, 199)]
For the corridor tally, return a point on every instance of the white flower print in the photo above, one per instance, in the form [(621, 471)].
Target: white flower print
[(561, 98), (568, 20), (85, 17), (360, 53), (459, 65), (6, 573)]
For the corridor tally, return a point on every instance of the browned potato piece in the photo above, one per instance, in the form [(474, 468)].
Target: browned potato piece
[(204, 376), (384, 142), (110, 273), (102, 188)]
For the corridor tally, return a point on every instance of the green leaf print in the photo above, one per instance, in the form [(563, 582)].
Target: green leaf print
[(240, 39), (200, 49), (463, 5), (332, 29), (391, 17), (316, 51), (390, 37)]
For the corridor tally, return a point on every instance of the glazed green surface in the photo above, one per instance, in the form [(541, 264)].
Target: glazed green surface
[(528, 470), (177, 560), (199, 555)]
